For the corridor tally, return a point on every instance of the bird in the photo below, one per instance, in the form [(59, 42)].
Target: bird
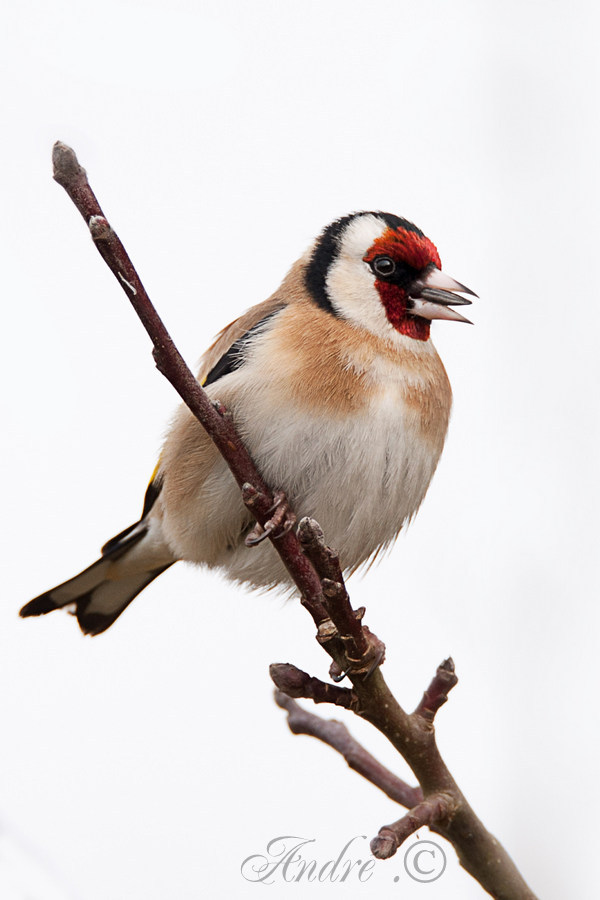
[(339, 395)]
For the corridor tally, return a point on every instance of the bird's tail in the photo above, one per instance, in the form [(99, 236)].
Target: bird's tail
[(99, 594)]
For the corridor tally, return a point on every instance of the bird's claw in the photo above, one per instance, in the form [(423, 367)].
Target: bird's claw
[(282, 521), (365, 666)]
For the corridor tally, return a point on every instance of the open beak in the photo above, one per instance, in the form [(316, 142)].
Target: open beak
[(433, 296)]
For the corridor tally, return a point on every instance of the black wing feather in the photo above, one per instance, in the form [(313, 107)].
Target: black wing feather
[(234, 357)]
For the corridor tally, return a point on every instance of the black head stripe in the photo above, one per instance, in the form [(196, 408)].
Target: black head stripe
[(326, 250), (393, 221)]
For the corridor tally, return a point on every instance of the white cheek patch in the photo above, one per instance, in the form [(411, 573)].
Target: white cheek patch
[(353, 295), (359, 234), (350, 284)]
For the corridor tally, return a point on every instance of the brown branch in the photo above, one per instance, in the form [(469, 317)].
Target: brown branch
[(335, 734), (323, 592), (295, 683), (413, 736), (337, 601), (478, 851), (437, 693), (432, 811), (364, 651), (258, 497)]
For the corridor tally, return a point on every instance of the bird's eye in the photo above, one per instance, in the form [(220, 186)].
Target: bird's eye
[(383, 265)]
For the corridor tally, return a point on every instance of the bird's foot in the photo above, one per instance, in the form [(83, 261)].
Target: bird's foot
[(281, 521), (365, 665)]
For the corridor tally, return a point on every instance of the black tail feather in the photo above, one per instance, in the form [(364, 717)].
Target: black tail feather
[(39, 606), (94, 623), (99, 594)]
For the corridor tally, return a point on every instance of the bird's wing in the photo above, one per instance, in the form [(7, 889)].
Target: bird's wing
[(223, 356), (226, 353)]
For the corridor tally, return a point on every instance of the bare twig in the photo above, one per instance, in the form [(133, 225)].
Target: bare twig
[(337, 736), (432, 811), (448, 814), (440, 802), (437, 693), (295, 683), (327, 565), (257, 496), (364, 651)]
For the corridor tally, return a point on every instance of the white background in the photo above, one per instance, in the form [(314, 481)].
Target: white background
[(150, 761)]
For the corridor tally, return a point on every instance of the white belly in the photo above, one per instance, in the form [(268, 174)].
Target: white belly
[(360, 465), (361, 477)]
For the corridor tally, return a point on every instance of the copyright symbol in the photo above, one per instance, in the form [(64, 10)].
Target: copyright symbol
[(425, 861)]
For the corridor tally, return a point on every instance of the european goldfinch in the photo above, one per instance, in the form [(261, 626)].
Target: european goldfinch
[(341, 399)]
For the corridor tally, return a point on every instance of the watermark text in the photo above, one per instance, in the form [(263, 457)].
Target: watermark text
[(289, 858)]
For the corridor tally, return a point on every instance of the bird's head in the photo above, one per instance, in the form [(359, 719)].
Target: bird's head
[(380, 272)]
